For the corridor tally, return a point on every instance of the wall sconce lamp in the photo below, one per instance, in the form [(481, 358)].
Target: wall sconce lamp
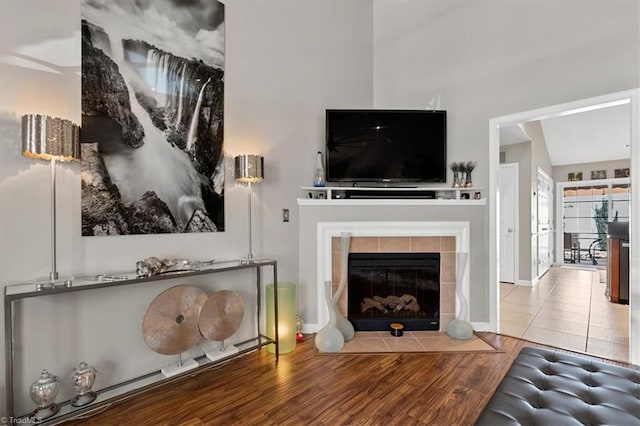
[(50, 138), (249, 169)]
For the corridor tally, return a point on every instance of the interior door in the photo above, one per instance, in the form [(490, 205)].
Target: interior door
[(544, 227), (508, 183)]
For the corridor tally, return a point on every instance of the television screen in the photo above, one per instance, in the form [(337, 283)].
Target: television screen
[(386, 145)]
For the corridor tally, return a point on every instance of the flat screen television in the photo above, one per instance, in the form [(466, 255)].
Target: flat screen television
[(386, 145)]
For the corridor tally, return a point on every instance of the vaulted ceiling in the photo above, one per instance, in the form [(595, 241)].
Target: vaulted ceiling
[(598, 135)]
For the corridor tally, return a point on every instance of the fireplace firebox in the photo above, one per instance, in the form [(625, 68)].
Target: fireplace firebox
[(385, 288)]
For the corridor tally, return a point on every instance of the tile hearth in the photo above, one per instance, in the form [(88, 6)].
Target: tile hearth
[(412, 341)]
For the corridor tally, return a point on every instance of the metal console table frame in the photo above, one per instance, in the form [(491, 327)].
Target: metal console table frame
[(13, 293)]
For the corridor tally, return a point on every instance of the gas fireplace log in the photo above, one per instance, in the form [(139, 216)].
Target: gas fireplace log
[(395, 303), (369, 303), (411, 303)]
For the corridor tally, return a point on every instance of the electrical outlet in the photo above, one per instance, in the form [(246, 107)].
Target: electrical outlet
[(285, 215)]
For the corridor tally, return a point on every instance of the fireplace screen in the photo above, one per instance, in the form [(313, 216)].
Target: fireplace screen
[(384, 288)]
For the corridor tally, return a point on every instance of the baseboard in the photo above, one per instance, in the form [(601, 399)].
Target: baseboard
[(310, 328), (603, 276), (481, 326), (529, 283)]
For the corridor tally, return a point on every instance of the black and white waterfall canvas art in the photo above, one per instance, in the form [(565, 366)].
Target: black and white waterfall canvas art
[(152, 116)]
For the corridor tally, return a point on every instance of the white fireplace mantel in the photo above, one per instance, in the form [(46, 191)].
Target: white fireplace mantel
[(326, 230)]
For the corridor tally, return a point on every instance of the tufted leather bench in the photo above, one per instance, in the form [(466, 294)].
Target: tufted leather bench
[(544, 387)]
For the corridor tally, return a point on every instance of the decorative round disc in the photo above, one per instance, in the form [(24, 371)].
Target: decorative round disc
[(221, 315), (170, 325)]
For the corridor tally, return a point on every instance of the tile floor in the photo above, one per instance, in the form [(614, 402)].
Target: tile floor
[(567, 308), (412, 341)]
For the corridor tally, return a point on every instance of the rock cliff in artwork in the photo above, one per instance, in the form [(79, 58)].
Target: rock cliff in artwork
[(157, 119), (102, 210), (150, 215), (106, 110)]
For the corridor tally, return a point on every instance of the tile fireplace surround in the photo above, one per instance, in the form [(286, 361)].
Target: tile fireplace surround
[(320, 220), (446, 246), (446, 238)]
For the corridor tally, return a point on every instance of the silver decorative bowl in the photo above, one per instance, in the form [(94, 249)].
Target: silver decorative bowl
[(82, 379), (43, 393)]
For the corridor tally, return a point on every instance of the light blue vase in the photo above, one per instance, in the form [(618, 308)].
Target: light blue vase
[(330, 338), (459, 328), (343, 324), (338, 330)]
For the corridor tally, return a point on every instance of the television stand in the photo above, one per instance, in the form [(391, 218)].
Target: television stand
[(391, 193), (386, 193), (385, 185)]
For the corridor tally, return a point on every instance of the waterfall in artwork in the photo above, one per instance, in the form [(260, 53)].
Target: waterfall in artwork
[(193, 127), (155, 109)]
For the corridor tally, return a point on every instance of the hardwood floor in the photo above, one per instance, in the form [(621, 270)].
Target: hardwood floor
[(309, 388)]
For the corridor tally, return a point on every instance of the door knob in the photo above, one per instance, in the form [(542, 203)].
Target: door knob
[(509, 230)]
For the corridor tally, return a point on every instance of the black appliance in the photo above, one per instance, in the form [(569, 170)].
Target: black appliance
[(386, 145), (410, 282)]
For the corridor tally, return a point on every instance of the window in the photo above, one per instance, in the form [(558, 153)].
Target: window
[(586, 209)]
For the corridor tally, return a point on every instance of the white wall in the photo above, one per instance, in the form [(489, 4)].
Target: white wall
[(539, 153), (285, 63), (485, 59)]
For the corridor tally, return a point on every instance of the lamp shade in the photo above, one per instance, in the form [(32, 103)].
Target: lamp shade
[(249, 168), (286, 317), (50, 138)]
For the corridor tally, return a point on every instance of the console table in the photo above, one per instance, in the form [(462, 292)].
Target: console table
[(14, 293)]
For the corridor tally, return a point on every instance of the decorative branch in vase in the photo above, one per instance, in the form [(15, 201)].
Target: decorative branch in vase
[(467, 168), (456, 168)]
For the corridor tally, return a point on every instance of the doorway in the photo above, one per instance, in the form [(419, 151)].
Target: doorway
[(631, 99)]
